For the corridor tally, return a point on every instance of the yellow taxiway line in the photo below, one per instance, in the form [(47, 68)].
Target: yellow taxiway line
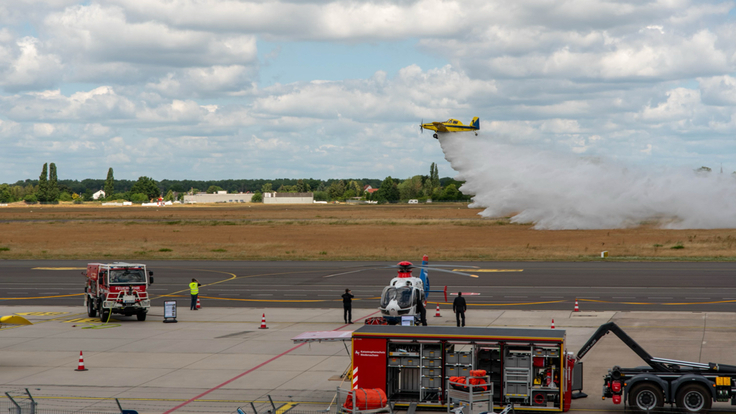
[(487, 270)]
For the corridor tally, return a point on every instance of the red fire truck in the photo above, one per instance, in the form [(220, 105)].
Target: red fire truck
[(117, 288)]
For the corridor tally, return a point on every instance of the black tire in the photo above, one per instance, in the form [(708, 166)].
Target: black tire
[(104, 316), (693, 398), (646, 397), (142, 316), (91, 309)]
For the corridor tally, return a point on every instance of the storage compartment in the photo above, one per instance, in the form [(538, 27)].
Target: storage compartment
[(432, 352), (432, 363), (432, 372), (394, 361), (464, 358), (431, 382), (410, 361), (451, 357), (517, 389)]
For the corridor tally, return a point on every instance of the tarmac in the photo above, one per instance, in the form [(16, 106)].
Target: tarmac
[(217, 359)]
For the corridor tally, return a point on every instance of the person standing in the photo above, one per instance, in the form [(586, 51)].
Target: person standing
[(347, 306), (459, 306), (422, 311), (194, 290)]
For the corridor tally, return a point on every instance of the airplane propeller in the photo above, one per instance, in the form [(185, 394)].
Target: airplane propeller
[(421, 126)]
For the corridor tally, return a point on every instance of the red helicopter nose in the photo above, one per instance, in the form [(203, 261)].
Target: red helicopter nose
[(404, 264)]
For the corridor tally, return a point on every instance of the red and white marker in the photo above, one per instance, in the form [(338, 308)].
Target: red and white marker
[(198, 305), (577, 309), (553, 323), (437, 314), (81, 367), (263, 322)]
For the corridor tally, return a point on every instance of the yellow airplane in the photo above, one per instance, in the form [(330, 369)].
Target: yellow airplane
[(451, 125)]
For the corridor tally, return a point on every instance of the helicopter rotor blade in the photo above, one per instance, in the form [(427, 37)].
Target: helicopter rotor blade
[(457, 273)]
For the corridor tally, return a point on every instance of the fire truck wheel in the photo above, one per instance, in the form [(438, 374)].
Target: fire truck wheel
[(104, 316), (142, 316), (646, 397), (91, 310), (693, 398)]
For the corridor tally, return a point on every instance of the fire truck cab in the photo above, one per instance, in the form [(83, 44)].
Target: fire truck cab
[(117, 288)]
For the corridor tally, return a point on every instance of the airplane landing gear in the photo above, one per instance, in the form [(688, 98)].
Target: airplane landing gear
[(435, 136), (476, 134)]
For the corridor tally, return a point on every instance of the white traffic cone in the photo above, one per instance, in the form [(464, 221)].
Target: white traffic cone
[(263, 322), (437, 314), (80, 366), (553, 323)]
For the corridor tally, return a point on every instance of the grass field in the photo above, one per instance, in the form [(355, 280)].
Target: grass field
[(327, 232)]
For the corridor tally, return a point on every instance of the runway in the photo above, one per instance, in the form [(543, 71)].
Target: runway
[(619, 286)]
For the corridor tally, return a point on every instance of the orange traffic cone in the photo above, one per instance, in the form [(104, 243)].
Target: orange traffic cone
[(81, 367), (437, 314), (198, 305), (553, 323), (263, 322), (577, 309)]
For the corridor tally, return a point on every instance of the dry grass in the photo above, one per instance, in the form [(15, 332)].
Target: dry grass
[(327, 232)]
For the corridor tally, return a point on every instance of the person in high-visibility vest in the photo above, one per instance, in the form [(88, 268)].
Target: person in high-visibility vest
[(194, 290)]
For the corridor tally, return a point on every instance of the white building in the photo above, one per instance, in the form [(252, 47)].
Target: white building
[(98, 195), (220, 197), (288, 198)]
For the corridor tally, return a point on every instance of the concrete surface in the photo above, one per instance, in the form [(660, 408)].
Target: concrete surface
[(153, 367)]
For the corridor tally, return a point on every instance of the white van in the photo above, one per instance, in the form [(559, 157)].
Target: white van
[(413, 201)]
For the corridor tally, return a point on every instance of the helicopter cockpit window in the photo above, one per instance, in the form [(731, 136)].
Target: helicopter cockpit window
[(403, 296), (127, 276)]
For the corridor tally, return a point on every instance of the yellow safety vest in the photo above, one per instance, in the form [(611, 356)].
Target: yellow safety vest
[(194, 287)]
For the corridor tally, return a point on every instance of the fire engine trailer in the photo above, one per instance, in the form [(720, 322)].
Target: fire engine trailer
[(117, 288), (691, 386), (412, 364)]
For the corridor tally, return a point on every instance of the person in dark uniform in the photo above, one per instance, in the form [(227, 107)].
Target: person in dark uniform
[(347, 306), (459, 306), (422, 311)]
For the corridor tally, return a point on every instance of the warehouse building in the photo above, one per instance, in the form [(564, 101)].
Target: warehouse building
[(288, 198), (219, 197)]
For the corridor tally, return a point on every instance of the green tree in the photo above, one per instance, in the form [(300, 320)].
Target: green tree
[(434, 176), (87, 195), (169, 196), (451, 193), (30, 199), (411, 188), (389, 190), (139, 198), (53, 192), (109, 184), (65, 196), (42, 194), (257, 198), (336, 189), (267, 188), (213, 189), (5, 194), (147, 186)]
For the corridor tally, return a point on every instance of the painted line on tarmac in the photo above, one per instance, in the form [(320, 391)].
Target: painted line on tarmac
[(504, 304), (44, 297), (204, 400), (665, 304), (487, 270), (58, 268), (251, 370)]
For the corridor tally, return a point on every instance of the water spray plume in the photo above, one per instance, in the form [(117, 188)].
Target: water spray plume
[(566, 191)]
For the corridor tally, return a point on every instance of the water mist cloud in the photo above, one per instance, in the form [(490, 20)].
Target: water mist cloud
[(559, 191)]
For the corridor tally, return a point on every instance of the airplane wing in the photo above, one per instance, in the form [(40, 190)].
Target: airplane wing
[(440, 127)]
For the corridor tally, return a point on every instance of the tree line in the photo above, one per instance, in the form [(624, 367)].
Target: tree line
[(49, 189)]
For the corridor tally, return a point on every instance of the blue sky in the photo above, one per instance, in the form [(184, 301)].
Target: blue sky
[(213, 89)]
